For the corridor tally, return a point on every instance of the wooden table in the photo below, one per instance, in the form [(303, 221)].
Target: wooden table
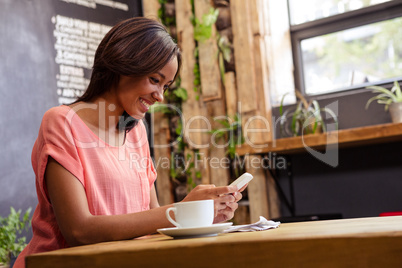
[(361, 242)]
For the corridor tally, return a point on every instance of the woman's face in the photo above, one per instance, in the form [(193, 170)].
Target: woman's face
[(136, 95)]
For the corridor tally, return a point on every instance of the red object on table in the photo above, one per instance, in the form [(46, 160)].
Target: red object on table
[(395, 213)]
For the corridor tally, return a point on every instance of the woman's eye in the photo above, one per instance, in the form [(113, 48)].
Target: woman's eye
[(154, 80), (165, 88)]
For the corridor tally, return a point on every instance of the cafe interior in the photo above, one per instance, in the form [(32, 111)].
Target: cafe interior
[(303, 95)]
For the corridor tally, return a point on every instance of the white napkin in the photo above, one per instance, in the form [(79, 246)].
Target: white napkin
[(262, 224)]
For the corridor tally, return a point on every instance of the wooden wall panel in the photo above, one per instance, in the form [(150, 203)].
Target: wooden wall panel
[(252, 75), (208, 54), (192, 107), (243, 52), (161, 155), (257, 189), (230, 93), (212, 95), (150, 8)]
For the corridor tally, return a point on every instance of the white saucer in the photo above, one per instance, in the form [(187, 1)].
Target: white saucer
[(212, 230)]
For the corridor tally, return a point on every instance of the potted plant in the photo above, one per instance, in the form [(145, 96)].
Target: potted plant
[(392, 99), (305, 118), (10, 228)]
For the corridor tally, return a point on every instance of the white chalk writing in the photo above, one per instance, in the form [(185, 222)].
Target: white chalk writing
[(76, 43)]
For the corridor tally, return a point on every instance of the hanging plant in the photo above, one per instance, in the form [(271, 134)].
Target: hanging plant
[(203, 29)]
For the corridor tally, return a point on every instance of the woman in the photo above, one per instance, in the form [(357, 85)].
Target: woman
[(94, 175)]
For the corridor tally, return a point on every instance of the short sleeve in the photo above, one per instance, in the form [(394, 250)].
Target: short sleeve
[(151, 173), (56, 139)]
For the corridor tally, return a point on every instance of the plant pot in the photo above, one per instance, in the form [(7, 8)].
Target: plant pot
[(395, 109), (309, 129)]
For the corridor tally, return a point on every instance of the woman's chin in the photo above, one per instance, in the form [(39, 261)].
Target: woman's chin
[(138, 116)]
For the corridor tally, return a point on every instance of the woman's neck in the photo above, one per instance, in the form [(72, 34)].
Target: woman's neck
[(102, 116)]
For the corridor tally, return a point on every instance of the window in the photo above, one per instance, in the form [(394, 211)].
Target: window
[(345, 44)]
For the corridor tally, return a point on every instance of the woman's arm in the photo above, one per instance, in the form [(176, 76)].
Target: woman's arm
[(154, 199), (80, 227)]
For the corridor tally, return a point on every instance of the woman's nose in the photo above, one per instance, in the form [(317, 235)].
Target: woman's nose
[(158, 95)]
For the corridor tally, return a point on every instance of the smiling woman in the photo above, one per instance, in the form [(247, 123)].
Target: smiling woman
[(130, 53), (88, 189)]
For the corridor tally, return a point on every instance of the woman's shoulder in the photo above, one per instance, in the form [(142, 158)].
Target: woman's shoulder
[(56, 117), (57, 111)]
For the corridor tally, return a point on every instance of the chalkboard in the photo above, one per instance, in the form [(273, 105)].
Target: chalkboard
[(46, 49)]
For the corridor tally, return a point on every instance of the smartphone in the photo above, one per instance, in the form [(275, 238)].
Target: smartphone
[(242, 180)]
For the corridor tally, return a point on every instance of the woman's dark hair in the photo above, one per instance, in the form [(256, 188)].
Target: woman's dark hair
[(135, 47)]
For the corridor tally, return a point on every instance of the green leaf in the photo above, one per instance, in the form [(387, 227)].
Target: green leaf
[(159, 107), (223, 122), (203, 30), (221, 67), (225, 47), (377, 89), (10, 227), (281, 105), (397, 90), (179, 128), (181, 93)]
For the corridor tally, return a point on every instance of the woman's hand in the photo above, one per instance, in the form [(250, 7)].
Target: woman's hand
[(225, 199)]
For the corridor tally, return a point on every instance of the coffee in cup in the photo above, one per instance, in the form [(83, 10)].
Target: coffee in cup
[(192, 214)]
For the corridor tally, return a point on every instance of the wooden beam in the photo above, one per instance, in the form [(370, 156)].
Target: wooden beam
[(208, 55), (230, 93), (150, 9), (161, 156), (243, 53), (261, 67), (191, 107), (212, 97), (257, 189), (250, 78)]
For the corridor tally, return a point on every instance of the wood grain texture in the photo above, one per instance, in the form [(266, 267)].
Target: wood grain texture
[(150, 9), (208, 57), (363, 242), (161, 155), (343, 138), (244, 55), (218, 169), (257, 189), (192, 108), (212, 98), (230, 94), (251, 69)]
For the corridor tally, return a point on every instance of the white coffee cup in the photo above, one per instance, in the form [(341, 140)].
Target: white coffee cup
[(192, 214)]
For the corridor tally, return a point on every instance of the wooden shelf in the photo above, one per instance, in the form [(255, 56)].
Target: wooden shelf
[(343, 138)]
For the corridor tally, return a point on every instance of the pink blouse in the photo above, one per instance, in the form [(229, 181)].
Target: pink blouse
[(117, 180)]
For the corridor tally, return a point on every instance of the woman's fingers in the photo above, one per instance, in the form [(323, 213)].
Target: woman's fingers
[(226, 214), (237, 196), (218, 191), (225, 207)]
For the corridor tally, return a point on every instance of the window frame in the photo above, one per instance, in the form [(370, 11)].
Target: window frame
[(335, 23)]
